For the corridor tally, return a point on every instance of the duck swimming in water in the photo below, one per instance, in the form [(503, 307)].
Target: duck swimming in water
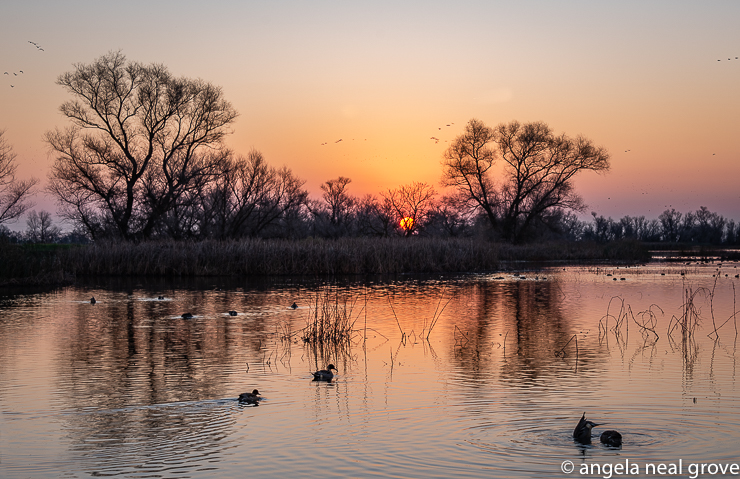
[(92, 300), (324, 374), (611, 438), (293, 306), (187, 316), (250, 398), (582, 432), (232, 313)]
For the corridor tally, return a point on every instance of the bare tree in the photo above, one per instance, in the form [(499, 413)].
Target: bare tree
[(41, 228), (540, 168), (375, 217), (14, 194), (670, 221), (140, 140), (466, 168), (411, 204), (248, 196), (339, 202), (335, 214), (537, 175)]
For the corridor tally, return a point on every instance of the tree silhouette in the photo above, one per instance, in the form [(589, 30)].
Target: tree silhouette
[(412, 204), (14, 194), (140, 140), (536, 177)]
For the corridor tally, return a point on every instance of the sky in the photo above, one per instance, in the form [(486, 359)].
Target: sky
[(640, 78)]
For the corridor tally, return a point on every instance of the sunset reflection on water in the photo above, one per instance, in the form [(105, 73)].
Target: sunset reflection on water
[(128, 387)]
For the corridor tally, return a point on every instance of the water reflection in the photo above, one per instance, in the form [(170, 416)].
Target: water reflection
[(128, 387)]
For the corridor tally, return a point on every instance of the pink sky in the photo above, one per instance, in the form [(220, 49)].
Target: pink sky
[(384, 78)]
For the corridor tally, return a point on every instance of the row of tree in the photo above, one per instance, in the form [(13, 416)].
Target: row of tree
[(340, 214), (144, 157), (701, 226)]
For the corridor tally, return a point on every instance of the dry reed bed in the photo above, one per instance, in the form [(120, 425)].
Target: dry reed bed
[(277, 257), (289, 257)]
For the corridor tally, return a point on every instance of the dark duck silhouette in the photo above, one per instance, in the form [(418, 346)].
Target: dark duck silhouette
[(250, 398), (611, 438), (232, 313), (92, 300), (324, 374), (293, 306), (582, 432), (187, 316)]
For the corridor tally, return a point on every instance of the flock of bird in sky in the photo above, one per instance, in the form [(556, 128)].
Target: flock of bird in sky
[(15, 74), (436, 140)]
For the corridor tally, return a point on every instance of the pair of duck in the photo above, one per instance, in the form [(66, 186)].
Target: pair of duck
[(582, 433), (322, 375)]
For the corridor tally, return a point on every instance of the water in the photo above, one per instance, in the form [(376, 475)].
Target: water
[(127, 388)]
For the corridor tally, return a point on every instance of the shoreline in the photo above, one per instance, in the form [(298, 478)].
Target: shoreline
[(28, 265)]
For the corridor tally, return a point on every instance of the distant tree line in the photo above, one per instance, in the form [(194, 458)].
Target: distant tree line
[(144, 158), (700, 227), (371, 216)]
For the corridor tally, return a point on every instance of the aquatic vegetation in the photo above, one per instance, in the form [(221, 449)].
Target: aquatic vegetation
[(265, 257), (330, 318)]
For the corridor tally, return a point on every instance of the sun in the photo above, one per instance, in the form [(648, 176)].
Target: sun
[(406, 223)]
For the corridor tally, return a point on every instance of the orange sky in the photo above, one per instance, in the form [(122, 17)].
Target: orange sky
[(384, 78)]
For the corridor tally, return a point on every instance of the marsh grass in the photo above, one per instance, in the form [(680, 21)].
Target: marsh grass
[(681, 328), (428, 327), (40, 264), (270, 257), (285, 257), (330, 318), (619, 319), (688, 321)]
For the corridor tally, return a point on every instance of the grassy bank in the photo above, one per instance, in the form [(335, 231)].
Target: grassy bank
[(291, 257), (27, 265)]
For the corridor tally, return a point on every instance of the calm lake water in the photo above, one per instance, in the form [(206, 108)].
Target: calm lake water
[(127, 388)]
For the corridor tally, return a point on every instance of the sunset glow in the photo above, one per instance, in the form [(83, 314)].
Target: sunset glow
[(375, 92), (406, 223)]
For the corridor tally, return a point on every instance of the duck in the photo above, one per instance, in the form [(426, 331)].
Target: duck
[(250, 398), (232, 313), (92, 300), (294, 306), (611, 438), (582, 432), (160, 297), (187, 316), (324, 374)]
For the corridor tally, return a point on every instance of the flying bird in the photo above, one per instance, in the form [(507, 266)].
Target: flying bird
[(338, 140)]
